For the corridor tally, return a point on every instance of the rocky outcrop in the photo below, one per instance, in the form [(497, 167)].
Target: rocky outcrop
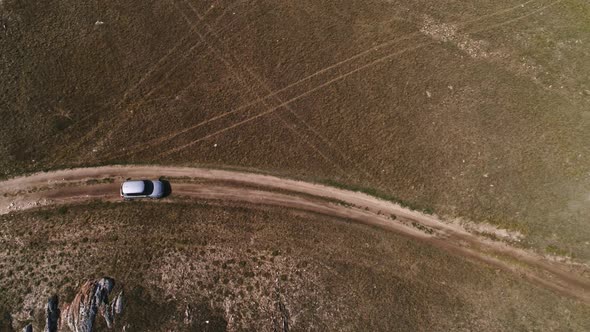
[(188, 315), (52, 314), (115, 308), (90, 301), (280, 317), (118, 303)]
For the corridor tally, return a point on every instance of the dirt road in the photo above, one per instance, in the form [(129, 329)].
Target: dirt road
[(83, 184)]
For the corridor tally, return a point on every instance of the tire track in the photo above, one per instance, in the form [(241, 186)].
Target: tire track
[(248, 72), (167, 75), (71, 186), (317, 73), (136, 148), (148, 73), (129, 90), (341, 77), (182, 91), (373, 49), (240, 78), (314, 131)]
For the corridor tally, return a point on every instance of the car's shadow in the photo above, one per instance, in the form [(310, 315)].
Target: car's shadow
[(167, 188)]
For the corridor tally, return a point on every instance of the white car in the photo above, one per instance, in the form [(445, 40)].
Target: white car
[(142, 189)]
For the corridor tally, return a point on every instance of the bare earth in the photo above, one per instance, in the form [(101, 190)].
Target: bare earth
[(83, 184)]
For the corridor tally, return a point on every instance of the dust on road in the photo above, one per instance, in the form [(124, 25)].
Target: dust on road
[(84, 184)]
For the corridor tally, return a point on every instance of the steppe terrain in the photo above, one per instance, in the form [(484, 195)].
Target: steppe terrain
[(475, 113), (44, 243), (236, 263), (476, 110)]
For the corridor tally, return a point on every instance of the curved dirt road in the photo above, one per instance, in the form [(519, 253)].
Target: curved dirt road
[(83, 184)]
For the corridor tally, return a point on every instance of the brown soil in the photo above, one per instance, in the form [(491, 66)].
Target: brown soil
[(233, 263), (46, 188), (477, 110)]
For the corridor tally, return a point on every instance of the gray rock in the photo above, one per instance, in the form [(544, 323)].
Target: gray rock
[(188, 316), (52, 314), (119, 303), (91, 300)]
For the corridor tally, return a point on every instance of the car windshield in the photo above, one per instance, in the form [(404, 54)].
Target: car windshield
[(149, 187)]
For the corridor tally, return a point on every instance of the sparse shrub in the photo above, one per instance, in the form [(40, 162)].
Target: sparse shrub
[(552, 249), (61, 123)]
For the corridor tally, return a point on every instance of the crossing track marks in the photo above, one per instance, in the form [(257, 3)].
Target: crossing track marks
[(233, 64), (334, 79)]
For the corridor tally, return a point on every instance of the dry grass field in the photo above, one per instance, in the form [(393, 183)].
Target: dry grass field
[(476, 110), (232, 265)]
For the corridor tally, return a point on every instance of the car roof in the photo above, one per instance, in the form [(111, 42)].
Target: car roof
[(133, 187)]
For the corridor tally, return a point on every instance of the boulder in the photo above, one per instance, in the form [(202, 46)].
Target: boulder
[(52, 314), (90, 301)]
